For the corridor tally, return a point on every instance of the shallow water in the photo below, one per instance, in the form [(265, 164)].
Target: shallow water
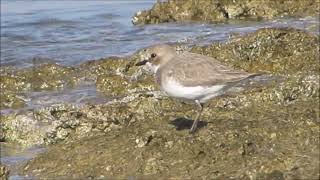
[(71, 32), (85, 94), (13, 155)]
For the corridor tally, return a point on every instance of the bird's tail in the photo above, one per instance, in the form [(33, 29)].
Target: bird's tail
[(256, 80)]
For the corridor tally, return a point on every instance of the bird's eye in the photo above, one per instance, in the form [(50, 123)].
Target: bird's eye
[(153, 55)]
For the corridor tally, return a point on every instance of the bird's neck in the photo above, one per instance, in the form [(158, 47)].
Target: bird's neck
[(157, 76)]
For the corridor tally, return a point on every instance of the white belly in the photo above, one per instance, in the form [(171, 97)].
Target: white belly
[(203, 94)]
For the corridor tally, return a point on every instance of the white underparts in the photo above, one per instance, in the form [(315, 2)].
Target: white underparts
[(201, 93), (152, 67)]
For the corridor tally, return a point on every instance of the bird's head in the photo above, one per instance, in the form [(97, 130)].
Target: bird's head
[(156, 56)]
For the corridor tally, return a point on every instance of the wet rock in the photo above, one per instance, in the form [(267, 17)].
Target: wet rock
[(61, 122), (115, 85), (4, 172), (11, 100), (118, 76), (232, 136), (234, 11), (270, 50), (92, 69), (14, 82), (144, 141), (244, 138), (50, 77), (22, 128), (293, 88), (42, 77), (222, 10), (274, 175), (153, 166), (112, 85)]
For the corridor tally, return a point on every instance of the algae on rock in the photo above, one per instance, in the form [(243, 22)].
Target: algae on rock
[(11, 100), (258, 141), (4, 172), (222, 10), (272, 50), (50, 77), (42, 77)]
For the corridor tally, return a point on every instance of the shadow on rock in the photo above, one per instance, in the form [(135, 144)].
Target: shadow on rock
[(184, 123)]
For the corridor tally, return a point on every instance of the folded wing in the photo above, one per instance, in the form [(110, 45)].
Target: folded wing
[(205, 71)]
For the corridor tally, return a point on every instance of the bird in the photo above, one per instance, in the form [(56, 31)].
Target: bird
[(190, 76)]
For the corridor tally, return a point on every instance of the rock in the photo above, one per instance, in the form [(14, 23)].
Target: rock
[(41, 77), (239, 137), (144, 141), (112, 85), (14, 82), (106, 66), (270, 50), (11, 100), (234, 11), (62, 122), (274, 175), (50, 77), (4, 172), (22, 128), (222, 10), (115, 85)]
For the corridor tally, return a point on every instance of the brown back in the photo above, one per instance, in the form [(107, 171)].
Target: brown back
[(192, 69)]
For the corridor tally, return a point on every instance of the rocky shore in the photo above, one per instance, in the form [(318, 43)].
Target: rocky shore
[(267, 131), (223, 10)]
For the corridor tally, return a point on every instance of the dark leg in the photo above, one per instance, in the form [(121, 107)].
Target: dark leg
[(195, 122)]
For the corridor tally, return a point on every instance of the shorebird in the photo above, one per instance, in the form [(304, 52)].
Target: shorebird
[(190, 76)]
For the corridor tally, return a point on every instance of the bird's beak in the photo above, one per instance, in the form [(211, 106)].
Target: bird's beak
[(142, 63)]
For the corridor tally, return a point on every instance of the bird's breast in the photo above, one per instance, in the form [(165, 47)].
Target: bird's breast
[(175, 89), (154, 68)]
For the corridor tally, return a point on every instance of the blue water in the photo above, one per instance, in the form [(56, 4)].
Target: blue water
[(73, 31), (68, 32)]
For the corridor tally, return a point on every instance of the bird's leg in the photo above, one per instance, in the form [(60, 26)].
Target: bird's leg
[(195, 122)]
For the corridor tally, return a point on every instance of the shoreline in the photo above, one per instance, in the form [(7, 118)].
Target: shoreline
[(106, 118), (142, 120)]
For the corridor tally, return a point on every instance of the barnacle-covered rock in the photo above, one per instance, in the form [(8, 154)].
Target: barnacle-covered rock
[(222, 10), (271, 50)]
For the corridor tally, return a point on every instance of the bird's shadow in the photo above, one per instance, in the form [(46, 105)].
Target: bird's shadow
[(184, 123)]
